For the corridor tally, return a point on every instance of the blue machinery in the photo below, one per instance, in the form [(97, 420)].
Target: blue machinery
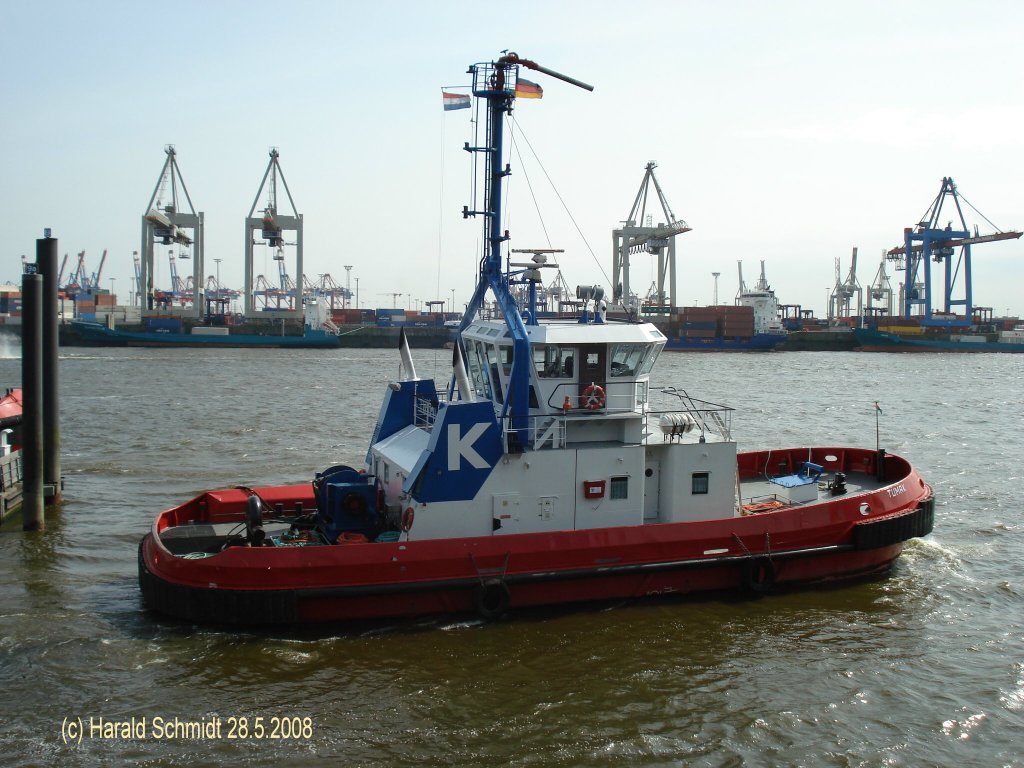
[(496, 83), (927, 242)]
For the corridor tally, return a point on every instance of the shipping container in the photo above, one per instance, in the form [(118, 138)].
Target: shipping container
[(164, 324), (202, 330)]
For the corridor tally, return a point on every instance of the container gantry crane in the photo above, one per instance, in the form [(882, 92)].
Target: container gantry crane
[(272, 225), (657, 240), (170, 219), (841, 300), (880, 296), (927, 242)]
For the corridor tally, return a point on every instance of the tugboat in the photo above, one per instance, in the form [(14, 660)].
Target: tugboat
[(540, 473), (10, 421)]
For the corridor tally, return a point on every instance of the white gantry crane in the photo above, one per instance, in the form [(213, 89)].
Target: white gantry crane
[(841, 299), (657, 240), (272, 225), (172, 220), (880, 295)]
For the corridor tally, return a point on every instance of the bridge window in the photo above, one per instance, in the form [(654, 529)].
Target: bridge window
[(477, 368), (552, 361), (505, 356), (652, 354), (700, 482), (618, 488), (492, 366), (628, 358)]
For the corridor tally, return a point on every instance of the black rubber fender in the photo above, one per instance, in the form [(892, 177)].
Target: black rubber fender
[(491, 599), (758, 574)]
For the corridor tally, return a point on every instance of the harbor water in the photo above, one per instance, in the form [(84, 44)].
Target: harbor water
[(922, 667)]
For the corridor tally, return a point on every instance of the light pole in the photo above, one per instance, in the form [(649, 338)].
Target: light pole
[(453, 301), (112, 288), (357, 293)]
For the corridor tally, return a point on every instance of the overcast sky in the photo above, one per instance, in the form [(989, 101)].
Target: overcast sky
[(788, 131)]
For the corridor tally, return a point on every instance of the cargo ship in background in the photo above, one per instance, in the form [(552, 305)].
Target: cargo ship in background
[(941, 317), (316, 331), (752, 324), (910, 337)]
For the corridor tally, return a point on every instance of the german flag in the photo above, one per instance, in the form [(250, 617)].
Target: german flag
[(527, 90)]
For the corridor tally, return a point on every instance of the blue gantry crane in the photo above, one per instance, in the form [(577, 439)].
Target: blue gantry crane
[(928, 242)]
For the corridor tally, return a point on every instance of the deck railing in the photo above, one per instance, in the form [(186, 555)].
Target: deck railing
[(708, 417), (10, 471)]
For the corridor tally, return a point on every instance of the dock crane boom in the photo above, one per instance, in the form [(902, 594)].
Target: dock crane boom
[(98, 274)]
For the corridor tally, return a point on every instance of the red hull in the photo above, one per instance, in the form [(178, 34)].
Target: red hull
[(831, 540), (10, 407)]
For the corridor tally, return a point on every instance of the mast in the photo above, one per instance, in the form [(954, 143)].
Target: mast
[(495, 82)]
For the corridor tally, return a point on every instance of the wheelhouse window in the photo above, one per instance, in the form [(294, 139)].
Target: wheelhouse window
[(491, 352), (505, 358), (699, 482), (650, 358), (627, 359), (553, 361), (618, 488), (478, 369)]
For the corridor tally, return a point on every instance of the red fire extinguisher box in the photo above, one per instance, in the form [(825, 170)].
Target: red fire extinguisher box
[(593, 489)]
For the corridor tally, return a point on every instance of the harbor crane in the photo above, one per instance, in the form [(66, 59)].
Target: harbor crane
[(559, 297), (880, 296), (171, 219), (137, 266), (271, 226), (841, 299), (80, 280), (327, 287), (657, 240), (926, 243)]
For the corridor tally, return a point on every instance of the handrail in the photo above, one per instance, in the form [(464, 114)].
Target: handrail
[(703, 412), (556, 401)]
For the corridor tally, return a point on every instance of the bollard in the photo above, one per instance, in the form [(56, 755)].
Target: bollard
[(46, 265), (32, 400)]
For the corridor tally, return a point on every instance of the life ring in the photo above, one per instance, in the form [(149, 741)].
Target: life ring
[(491, 599), (593, 397), (759, 574), (408, 517)]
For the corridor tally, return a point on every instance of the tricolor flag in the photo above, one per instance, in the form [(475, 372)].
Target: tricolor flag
[(455, 100), (527, 90), (878, 408)]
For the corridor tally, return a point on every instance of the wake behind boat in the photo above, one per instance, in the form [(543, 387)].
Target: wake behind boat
[(540, 473)]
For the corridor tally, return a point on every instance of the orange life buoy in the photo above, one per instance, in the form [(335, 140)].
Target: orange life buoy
[(408, 517), (593, 397)]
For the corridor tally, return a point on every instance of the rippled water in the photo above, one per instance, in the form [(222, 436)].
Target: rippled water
[(924, 667)]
